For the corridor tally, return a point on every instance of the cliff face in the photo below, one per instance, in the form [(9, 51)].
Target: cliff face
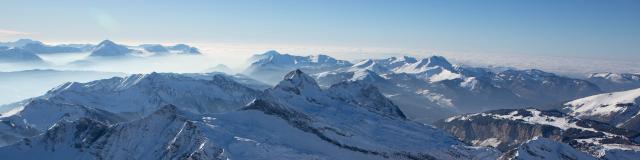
[(508, 129), (501, 134)]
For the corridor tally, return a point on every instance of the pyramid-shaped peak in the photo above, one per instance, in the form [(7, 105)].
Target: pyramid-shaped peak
[(435, 61), (298, 82), (271, 52), (298, 75), (106, 42)]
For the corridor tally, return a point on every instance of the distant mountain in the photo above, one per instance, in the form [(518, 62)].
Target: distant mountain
[(617, 108), (539, 86), (108, 48), (156, 48), (431, 88), (293, 120), (508, 129), (270, 66), (18, 55), (184, 49), (19, 43), (46, 49), (613, 82), (219, 68)]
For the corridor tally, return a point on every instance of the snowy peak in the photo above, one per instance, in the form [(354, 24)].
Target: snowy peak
[(286, 60), (108, 48), (616, 77), (140, 94), (299, 83), (405, 59), (367, 96), (366, 75), (434, 61), (430, 65), (370, 64)]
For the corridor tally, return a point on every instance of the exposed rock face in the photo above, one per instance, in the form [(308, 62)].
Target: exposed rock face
[(509, 128)]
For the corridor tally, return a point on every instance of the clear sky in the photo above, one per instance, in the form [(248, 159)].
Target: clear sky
[(577, 28)]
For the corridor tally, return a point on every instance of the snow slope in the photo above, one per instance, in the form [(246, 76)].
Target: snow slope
[(544, 148), (617, 108)]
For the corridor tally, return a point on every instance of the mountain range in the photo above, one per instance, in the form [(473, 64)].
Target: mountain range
[(317, 107), (28, 51), (432, 88), (296, 119)]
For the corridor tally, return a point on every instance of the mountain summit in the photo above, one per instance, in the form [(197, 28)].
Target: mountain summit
[(108, 48)]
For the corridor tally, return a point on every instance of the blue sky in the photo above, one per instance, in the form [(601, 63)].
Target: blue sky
[(574, 28)]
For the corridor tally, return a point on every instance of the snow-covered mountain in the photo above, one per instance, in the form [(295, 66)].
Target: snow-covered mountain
[(540, 86), (128, 98), (431, 88), (294, 120), (271, 66), (613, 82), (184, 49), (158, 49), (108, 48), (356, 122), (18, 43), (42, 48), (543, 148), (618, 108), (508, 129)]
